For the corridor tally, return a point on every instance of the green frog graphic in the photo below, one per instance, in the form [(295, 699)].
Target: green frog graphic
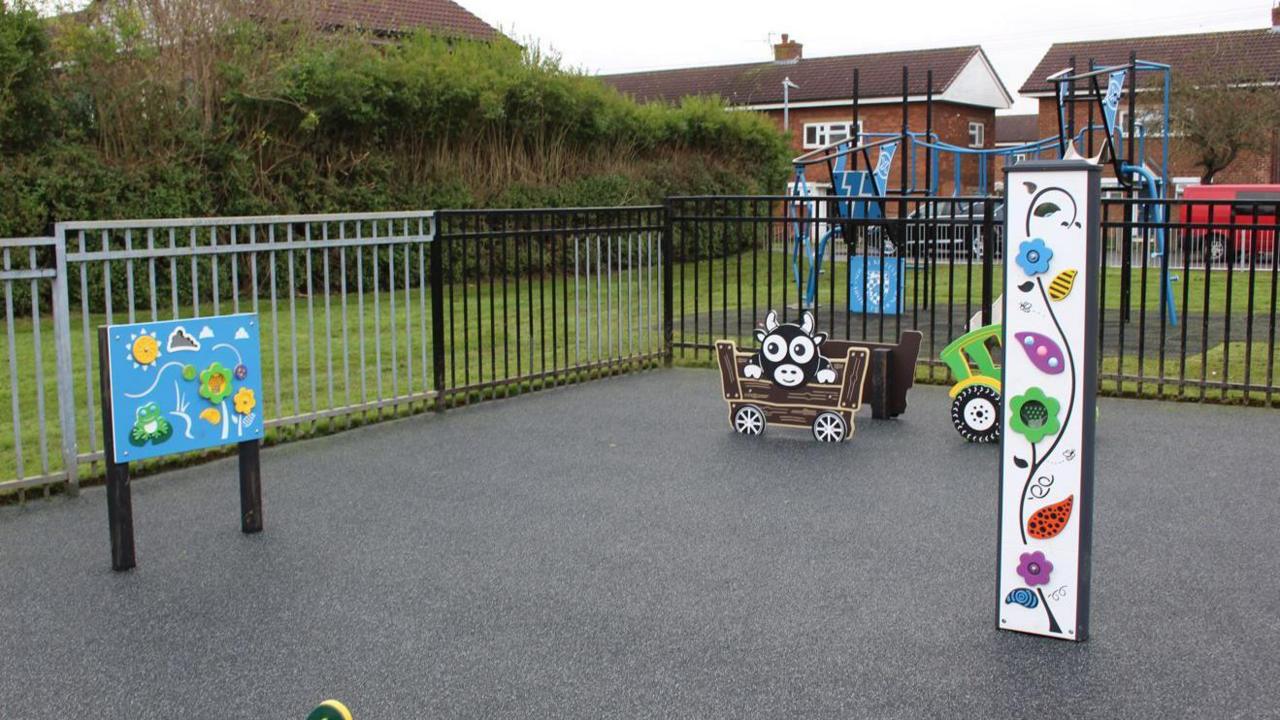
[(150, 426)]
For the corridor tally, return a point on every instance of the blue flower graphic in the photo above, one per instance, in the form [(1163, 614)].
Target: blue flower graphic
[(1034, 257)]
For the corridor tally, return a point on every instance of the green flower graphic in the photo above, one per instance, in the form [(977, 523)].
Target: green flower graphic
[(1035, 415), (215, 383)]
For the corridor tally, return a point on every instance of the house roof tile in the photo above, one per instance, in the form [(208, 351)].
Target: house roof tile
[(823, 78), (400, 16), (1258, 50)]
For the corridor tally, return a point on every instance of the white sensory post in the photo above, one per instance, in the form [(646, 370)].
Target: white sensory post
[(1049, 388)]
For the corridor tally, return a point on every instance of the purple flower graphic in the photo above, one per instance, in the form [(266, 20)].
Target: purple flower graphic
[(1035, 568)]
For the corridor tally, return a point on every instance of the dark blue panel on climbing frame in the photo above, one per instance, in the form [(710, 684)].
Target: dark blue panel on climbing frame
[(183, 385)]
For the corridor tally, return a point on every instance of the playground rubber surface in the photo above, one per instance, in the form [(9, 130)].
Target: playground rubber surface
[(613, 550)]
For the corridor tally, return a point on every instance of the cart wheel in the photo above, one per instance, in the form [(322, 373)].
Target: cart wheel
[(748, 420), (830, 427), (976, 414)]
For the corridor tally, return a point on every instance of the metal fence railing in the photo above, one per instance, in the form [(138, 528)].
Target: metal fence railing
[(1210, 336), (539, 296), (38, 384), (363, 316)]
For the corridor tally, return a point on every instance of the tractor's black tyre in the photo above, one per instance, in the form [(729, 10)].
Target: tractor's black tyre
[(976, 414)]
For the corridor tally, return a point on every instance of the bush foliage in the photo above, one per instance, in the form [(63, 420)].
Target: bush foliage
[(155, 108)]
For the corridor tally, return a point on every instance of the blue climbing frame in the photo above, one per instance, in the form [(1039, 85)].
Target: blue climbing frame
[(861, 187)]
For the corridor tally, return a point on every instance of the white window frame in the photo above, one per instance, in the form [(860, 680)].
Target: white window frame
[(822, 132), (977, 134)]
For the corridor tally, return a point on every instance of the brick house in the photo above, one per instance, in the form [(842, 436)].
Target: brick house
[(966, 93), (1258, 50), (1015, 131)]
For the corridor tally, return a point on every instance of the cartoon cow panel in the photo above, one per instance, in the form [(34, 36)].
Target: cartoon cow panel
[(790, 355)]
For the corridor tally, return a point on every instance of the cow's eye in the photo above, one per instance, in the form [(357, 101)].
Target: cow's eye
[(774, 349), (801, 349)]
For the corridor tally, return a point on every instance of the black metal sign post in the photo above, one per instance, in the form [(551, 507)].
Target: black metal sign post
[(250, 488), (120, 495)]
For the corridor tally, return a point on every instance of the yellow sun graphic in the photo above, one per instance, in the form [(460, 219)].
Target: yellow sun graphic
[(144, 348)]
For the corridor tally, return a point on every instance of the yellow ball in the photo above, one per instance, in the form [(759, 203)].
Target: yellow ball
[(330, 710)]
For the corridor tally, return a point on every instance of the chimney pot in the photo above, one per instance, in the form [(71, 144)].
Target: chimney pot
[(1275, 18), (787, 51)]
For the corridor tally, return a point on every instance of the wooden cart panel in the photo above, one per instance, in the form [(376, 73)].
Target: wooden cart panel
[(843, 394)]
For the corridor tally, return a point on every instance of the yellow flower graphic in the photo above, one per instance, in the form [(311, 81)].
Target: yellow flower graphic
[(244, 401)]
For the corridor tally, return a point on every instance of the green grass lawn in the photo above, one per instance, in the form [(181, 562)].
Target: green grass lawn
[(309, 363), (711, 281), (309, 366), (1232, 372)]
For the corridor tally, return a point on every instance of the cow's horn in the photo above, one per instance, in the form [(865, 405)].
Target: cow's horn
[(807, 325), (771, 321)]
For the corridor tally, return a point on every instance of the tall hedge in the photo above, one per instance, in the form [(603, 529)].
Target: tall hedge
[(141, 110)]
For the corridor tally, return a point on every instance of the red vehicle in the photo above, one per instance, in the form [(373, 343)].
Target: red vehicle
[(1241, 218)]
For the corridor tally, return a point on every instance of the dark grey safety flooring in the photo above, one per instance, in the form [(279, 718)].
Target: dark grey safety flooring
[(611, 550)]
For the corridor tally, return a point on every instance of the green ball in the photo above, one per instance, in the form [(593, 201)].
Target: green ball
[(188, 372)]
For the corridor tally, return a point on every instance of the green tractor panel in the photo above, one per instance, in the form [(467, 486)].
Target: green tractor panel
[(975, 397)]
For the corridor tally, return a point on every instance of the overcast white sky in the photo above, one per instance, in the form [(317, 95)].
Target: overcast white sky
[(604, 36)]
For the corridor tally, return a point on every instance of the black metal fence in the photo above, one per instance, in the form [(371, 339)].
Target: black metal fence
[(531, 298), (1188, 289), (374, 315)]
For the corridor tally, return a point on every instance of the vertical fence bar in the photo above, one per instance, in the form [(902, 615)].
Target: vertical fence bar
[(391, 318), (1226, 326), (424, 284), (530, 237), (13, 368), (1271, 323), (128, 273), (408, 313), (1248, 331), (664, 244), (62, 356), (437, 313), (327, 259), (151, 273), (375, 251), (234, 261), (988, 262), (89, 346), (275, 318), (41, 425), (311, 324), (346, 334)]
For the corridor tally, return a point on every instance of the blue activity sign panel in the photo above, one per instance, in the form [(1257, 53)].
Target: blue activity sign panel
[(182, 385), (874, 284)]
